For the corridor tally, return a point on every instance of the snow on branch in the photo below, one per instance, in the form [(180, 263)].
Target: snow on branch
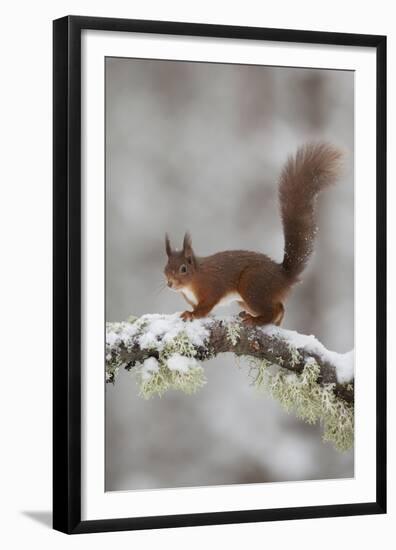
[(167, 353)]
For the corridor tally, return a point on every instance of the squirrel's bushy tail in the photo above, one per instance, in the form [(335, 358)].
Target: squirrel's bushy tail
[(313, 168)]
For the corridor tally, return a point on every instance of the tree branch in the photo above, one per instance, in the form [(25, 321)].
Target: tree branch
[(131, 343)]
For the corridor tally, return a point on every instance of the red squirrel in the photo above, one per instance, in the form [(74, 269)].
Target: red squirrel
[(258, 284)]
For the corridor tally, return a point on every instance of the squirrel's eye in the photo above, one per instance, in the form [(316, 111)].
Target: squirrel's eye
[(183, 269)]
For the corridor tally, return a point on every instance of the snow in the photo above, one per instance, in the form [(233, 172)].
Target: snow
[(123, 333), (343, 362), (155, 331), (149, 367), (295, 339), (162, 329), (181, 363)]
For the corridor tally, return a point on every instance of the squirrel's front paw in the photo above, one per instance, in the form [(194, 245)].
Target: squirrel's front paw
[(187, 315)]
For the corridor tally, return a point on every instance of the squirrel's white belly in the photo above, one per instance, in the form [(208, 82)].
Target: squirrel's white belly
[(189, 295), (225, 301)]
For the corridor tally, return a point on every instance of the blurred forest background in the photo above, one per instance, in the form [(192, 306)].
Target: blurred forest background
[(200, 146)]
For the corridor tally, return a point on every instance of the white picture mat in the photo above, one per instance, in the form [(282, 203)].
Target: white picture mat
[(96, 503)]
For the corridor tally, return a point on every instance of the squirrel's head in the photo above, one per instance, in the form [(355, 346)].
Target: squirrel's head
[(181, 264)]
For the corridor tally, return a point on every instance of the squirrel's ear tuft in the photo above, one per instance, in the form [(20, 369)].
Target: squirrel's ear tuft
[(187, 248), (167, 245), (187, 245)]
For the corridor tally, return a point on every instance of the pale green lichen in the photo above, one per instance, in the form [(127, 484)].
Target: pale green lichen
[(233, 332), (132, 319), (165, 379), (159, 338), (168, 361), (259, 372), (295, 355), (189, 379), (310, 401), (112, 368), (180, 344)]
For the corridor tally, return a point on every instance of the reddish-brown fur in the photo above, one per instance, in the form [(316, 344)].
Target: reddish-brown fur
[(262, 284)]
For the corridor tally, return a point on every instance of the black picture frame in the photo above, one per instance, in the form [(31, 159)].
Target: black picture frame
[(67, 273)]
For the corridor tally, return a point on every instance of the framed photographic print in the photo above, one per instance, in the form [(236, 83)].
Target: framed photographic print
[(219, 274)]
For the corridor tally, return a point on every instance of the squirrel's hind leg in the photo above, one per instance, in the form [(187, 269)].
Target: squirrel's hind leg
[(272, 315), (281, 314), (262, 297)]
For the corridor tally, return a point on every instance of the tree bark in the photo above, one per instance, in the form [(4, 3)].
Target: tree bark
[(272, 344)]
